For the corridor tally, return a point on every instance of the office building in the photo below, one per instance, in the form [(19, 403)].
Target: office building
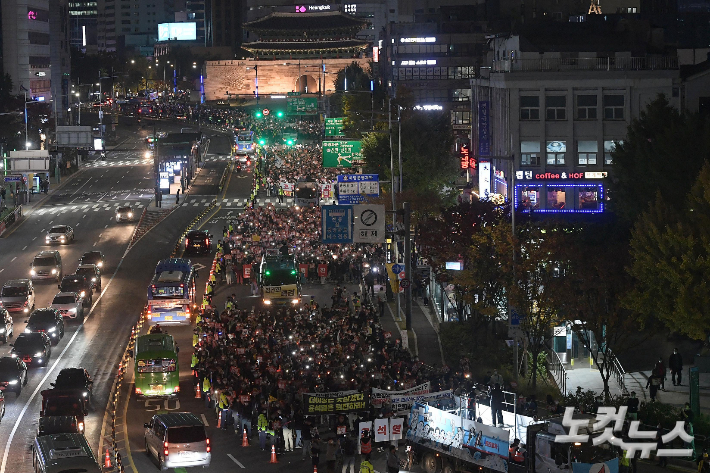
[(83, 23), (125, 25)]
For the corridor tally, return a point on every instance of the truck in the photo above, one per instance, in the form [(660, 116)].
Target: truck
[(445, 442), (279, 279)]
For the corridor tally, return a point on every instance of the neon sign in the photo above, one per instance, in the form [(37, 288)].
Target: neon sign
[(530, 175), (465, 157), (31, 15), (428, 39), (597, 189)]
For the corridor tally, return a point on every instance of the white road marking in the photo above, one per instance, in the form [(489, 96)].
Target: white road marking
[(95, 243), (106, 226), (34, 238), (204, 420), (13, 259), (23, 249), (77, 190), (235, 460), (2, 269)]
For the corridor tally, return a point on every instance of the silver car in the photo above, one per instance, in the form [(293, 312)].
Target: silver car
[(177, 439), (18, 296), (61, 234), (47, 265), (69, 304), (125, 214)]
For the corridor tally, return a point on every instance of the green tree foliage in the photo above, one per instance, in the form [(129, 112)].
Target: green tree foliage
[(589, 292), (662, 153), (358, 78), (670, 250)]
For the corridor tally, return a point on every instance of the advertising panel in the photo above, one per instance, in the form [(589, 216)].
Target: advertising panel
[(484, 128), (453, 435), (484, 179), (177, 31), (379, 396)]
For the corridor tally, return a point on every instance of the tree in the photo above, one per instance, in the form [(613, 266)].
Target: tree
[(662, 153), (589, 293), (358, 79), (670, 251)]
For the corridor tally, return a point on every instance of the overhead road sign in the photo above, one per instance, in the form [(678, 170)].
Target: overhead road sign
[(341, 154)]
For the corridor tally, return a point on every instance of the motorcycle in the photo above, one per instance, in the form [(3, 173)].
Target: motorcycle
[(239, 168)]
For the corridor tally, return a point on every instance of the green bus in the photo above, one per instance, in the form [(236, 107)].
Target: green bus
[(156, 366)]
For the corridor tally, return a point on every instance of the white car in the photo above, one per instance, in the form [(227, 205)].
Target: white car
[(69, 304), (61, 234)]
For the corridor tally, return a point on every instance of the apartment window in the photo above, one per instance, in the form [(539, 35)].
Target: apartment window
[(586, 107), (125, 22), (609, 147), (555, 107), (587, 153), (460, 118), (613, 107), (461, 95), (530, 153), (556, 152), (38, 38), (529, 107)]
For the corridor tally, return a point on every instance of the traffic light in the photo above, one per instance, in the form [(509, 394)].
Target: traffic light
[(289, 143), (258, 114), (262, 141), (279, 114)]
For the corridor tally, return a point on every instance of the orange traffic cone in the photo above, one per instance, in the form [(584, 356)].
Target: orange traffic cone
[(315, 468), (219, 420), (107, 459), (273, 455), (245, 440), (198, 393)]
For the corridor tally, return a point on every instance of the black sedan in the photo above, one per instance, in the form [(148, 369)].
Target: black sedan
[(92, 273), (125, 214), (198, 241), (75, 379), (49, 321), (13, 374), (78, 283), (32, 348), (92, 257)]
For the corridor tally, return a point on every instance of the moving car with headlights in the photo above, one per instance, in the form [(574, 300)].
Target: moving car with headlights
[(18, 295), (47, 320), (125, 213), (61, 234), (7, 325), (57, 402), (78, 283), (46, 265), (51, 425), (92, 273), (77, 380), (13, 374), (69, 304), (32, 348), (63, 453), (177, 440), (198, 241), (92, 257)]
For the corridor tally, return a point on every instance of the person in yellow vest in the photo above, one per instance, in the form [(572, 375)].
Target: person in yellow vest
[(206, 388), (262, 424), (366, 466), (213, 278), (223, 409), (624, 463), (356, 302)]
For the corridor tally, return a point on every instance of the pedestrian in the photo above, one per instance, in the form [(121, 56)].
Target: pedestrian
[(366, 465), (661, 373), (177, 197), (704, 464), (306, 437), (315, 452), (347, 444), (632, 406), (381, 300), (330, 455), (675, 363), (497, 405), (288, 434), (653, 383), (229, 273), (496, 379), (281, 195), (392, 460), (262, 424)]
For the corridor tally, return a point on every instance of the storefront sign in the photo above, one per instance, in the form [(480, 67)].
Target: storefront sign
[(484, 132), (530, 175), (320, 404), (484, 179), (465, 157)]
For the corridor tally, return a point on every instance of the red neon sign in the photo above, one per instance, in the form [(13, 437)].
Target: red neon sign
[(465, 158)]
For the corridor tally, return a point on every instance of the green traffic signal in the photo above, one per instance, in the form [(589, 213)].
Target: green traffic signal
[(258, 115), (267, 272), (289, 142), (262, 141), (279, 114)]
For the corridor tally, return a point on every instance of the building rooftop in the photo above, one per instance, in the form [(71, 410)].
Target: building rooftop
[(305, 22), (304, 46)]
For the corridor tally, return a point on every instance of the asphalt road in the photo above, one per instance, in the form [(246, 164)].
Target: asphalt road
[(87, 202)]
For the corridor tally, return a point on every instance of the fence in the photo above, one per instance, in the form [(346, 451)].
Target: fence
[(618, 372), (558, 370), (586, 64)]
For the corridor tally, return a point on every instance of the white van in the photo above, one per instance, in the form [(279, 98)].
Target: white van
[(57, 453), (177, 440)]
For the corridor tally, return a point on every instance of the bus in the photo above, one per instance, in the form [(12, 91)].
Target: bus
[(172, 292), (156, 365), (244, 144), (57, 453), (306, 194), (279, 279)]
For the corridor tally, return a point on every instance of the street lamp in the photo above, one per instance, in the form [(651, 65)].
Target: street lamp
[(78, 97)]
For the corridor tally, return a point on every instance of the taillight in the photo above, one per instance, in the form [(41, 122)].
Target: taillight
[(209, 449), (207, 241), (165, 444), (187, 242), (138, 390), (81, 427), (165, 452), (165, 448)]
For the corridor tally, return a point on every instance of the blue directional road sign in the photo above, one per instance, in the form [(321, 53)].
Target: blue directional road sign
[(337, 223), (514, 317), (355, 188), (397, 268)]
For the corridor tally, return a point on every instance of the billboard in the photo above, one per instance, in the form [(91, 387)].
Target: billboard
[(177, 31)]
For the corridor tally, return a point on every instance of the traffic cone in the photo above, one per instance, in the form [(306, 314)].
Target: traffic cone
[(245, 440), (273, 455), (198, 393), (107, 459), (315, 468), (219, 420)]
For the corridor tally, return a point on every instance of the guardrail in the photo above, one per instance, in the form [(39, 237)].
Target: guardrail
[(11, 218), (618, 372), (558, 370)]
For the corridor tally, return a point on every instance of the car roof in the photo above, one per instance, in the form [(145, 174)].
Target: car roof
[(198, 232), (87, 266), (47, 253), (42, 310), (124, 207), (59, 294), (8, 360), (18, 283), (53, 227), (92, 253), (180, 419), (31, 336), (74, 278)]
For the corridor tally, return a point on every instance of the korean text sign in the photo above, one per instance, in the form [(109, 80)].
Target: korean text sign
[(317, 404)]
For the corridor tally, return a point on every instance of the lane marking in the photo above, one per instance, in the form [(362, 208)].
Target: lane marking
[(2, 269), (77, 190), (23, 249), (13, 259), (204, 420), (41, 384), (235, 460), (34, 238)]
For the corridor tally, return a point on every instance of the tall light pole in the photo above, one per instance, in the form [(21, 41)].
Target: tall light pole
[(78, 97), (27, 143)]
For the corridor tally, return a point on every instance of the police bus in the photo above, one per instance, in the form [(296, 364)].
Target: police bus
[(172, 292), (279, 279), (244, 144), (156, 365), (58, 453)]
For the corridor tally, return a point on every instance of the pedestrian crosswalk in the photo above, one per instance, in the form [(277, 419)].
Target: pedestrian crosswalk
[(83, 208), (238, 202), (138, 159)]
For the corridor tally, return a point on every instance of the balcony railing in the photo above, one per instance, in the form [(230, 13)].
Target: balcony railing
[(586, 64)]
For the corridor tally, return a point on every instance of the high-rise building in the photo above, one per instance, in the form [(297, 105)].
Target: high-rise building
[(35, 43), (83, 22), (227, 19), (200, 11), (124, 24)]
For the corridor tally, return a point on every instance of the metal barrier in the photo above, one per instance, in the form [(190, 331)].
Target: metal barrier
[(618, 372), (558, 370)]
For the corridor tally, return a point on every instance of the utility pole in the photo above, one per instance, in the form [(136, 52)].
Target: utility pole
[(407, 264), (399, 146)]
